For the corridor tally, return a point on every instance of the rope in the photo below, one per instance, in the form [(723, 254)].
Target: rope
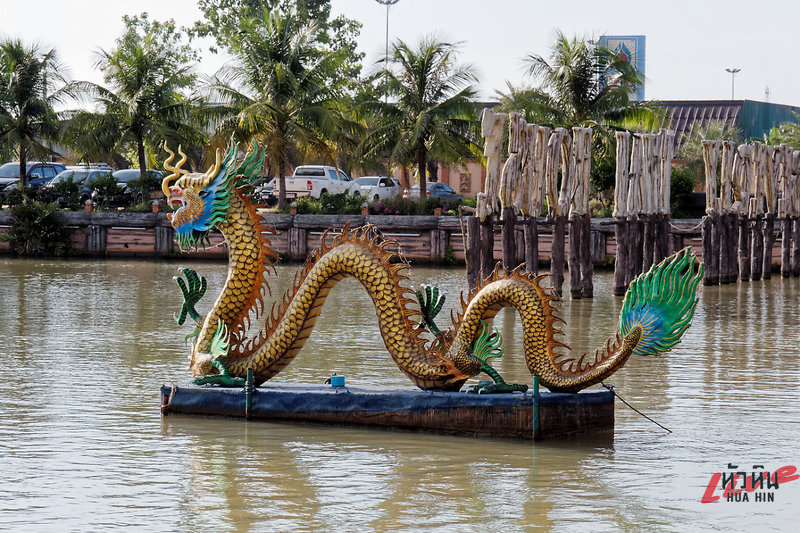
[(611, 388), (671, 225), (165, 407)]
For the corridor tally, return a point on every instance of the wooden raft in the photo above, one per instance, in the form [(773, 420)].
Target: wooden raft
[(497, 415)]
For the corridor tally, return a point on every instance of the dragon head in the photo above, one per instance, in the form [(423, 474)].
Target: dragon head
[(202, 200)]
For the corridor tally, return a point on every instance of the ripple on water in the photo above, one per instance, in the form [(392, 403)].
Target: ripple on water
[(87, 345)]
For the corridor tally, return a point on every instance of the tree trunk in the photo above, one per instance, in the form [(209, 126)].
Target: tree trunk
[(557, 256), (422, 157), (282, 184), (142, 155), (23, 167), (711, 274)]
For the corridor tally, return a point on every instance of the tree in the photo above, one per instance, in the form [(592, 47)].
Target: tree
[(690, 152), (583, 84), (222, 22), (32, 84), (428, 110), (787, 132), (144, 103), (279, 91)]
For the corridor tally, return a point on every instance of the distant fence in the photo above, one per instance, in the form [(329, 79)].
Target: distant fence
[(422, 239)]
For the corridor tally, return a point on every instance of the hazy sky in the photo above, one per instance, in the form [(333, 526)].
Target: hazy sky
[(690, 43)]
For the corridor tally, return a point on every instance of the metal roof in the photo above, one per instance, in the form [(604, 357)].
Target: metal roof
[(683, 115)]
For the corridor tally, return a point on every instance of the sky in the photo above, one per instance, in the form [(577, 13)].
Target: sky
[(690, 43)]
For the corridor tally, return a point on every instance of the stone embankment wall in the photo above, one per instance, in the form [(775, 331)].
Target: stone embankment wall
[(422, 239)]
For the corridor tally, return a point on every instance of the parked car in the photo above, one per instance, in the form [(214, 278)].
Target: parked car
[(378, 188), (124, 177), (314, 180), (434, 189), (38, 173), (84, 177), (265, 193)]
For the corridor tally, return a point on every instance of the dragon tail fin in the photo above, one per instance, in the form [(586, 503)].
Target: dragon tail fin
[(662, 303)]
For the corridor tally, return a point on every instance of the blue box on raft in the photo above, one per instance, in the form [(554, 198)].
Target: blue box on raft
[(499, 415)]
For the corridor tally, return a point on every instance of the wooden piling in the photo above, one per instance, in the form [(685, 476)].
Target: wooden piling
[(557, 258), (757, 247), (795, 247), (531, 246), (509, 239), (744, 249), (587, 286), (573, 260), (710, 258), (487, 247), (769, 243), (621, 266), (786, 247), (473, 251)]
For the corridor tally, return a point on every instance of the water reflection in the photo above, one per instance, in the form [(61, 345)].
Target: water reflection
[(86, 346)]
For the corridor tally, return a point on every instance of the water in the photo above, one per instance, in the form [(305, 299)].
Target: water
[(86, 345)]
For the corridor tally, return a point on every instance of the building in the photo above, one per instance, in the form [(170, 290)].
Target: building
[(755, 119)]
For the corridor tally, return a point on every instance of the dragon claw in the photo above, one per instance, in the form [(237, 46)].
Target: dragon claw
[(193, 289), (430, 303)]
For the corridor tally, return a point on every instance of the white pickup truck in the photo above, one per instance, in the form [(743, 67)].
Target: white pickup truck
[(313, 180)]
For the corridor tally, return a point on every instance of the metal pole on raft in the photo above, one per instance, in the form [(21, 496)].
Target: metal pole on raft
[(535, 403)]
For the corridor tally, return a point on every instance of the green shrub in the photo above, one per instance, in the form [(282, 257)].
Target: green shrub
[(144, 206), (106, 188), (601, 208), (36, 231), (340, 204), (143, 186), (306, 205), (67, 193), (681, 187), (17, 196)]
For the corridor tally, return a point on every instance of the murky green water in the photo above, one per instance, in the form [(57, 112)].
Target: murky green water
[(85, 347)]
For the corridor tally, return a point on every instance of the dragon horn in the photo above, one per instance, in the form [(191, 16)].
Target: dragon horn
[(209, 175), (176, 170)]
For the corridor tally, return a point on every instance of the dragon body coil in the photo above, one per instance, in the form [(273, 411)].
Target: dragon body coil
[(657, 309)]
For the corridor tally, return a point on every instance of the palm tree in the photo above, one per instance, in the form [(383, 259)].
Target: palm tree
[(582, 84), (142, 105), (428, 110), (28, 93), (278, 90)]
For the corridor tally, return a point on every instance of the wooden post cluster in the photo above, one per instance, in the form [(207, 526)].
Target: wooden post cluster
[(641, 203), (537, 158), (757, 186)]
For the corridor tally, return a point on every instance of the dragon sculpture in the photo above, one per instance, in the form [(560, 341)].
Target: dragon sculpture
[(657, 309)]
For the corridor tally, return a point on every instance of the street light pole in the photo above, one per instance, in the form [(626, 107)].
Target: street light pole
[(732, 72), (387, 3)]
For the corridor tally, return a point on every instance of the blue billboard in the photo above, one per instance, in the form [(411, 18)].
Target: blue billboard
[(630, 48)]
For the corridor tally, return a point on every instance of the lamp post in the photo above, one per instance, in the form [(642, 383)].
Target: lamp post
[(387, 3), (732, 72)]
